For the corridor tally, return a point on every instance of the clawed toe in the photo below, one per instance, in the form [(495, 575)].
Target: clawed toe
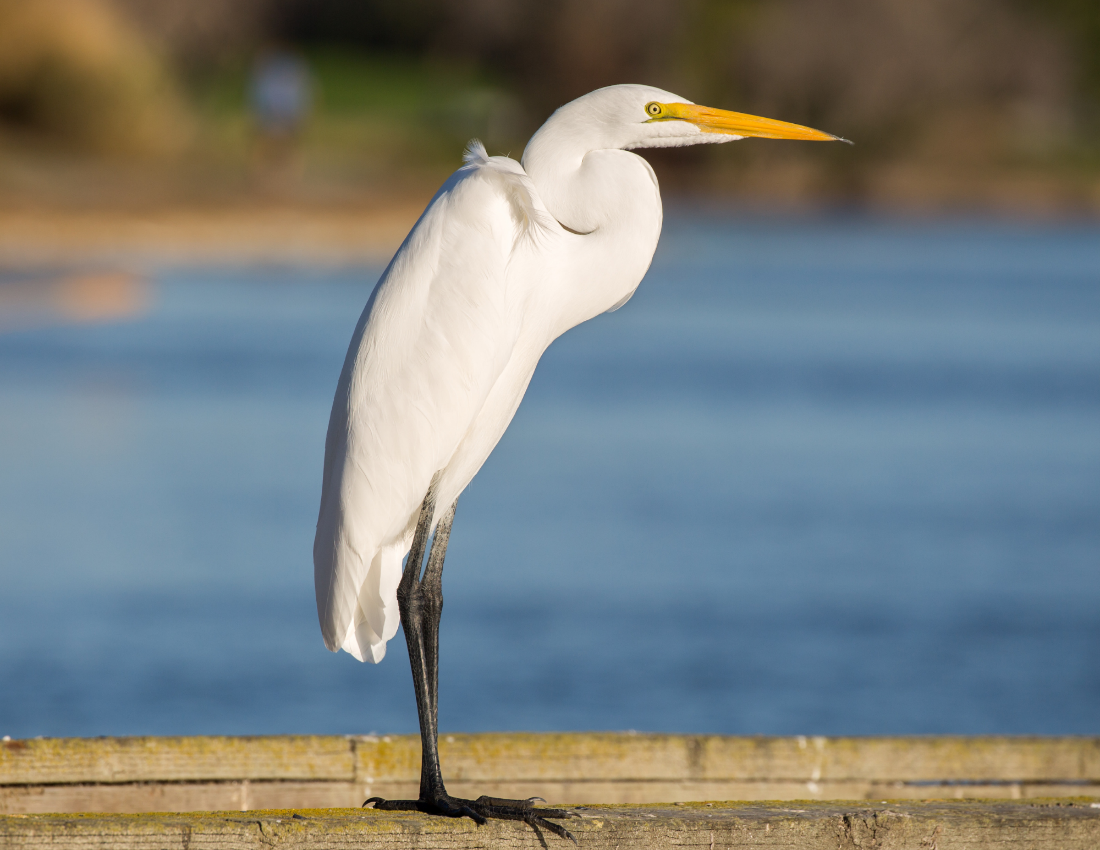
[(518, 808), (455, 808), (483, 808), (524, 810), (556, 828)]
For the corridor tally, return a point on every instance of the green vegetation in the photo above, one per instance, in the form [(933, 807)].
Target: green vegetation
[(371, 115), (405, 108), (80, 76)]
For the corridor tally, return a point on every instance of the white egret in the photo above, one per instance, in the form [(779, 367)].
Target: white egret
[(506, 258)]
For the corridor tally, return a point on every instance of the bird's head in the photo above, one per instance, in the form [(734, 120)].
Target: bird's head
[(576, 161), (628, 117)]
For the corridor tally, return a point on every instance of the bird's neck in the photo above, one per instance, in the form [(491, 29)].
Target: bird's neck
[(588, 189), (610, 198)]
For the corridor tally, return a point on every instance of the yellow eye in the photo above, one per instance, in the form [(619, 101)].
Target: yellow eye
[(653, 108)]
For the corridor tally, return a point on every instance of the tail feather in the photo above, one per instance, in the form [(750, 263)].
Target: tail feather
[(376, 615)]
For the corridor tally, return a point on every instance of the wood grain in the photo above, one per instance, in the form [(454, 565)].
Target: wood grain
[(552, 757), (191, 774), (1065, 825)]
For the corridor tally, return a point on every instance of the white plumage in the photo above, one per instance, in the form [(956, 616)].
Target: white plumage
[(506, 258)]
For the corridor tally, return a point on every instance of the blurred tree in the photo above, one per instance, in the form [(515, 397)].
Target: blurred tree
[(890, 71), (394, 25), (197, 32), (1080, 21), (550, 51)]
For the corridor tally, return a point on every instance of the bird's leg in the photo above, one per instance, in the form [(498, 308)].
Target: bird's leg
[(420, 601), (431, 596)]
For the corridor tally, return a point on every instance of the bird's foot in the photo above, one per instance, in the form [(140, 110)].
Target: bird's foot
[(482, 809)]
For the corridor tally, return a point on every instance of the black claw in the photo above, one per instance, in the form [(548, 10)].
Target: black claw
[(394, 805)]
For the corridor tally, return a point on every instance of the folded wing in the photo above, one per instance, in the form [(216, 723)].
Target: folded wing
[(435, 336)]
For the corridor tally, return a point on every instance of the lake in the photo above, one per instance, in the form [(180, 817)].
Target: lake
[(832, 475)]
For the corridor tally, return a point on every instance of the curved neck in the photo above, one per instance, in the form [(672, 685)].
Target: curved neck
[(611, 199), (585, 186)]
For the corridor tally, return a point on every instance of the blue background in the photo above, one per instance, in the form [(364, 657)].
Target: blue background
[(820, 476)]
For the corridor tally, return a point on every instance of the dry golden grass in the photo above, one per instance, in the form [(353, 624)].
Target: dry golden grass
[(76, 72), (185, 236)]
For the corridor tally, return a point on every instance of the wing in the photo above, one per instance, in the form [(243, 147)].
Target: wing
[(435, 335)]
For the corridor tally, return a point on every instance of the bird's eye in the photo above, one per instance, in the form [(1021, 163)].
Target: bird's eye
[(653, 108)]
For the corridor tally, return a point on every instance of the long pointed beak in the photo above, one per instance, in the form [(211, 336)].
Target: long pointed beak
[(740, 124)]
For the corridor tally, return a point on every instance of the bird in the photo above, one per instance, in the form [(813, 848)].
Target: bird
[(506, 257)]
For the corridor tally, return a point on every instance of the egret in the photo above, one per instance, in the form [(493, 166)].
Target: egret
[(506, 257)]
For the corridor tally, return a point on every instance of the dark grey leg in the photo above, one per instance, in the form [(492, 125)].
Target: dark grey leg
[(430, 593), (420, 600)]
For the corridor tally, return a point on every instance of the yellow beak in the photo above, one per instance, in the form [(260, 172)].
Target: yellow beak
[(738, 123)]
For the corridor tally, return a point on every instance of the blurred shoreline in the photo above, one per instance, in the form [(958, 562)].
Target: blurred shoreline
[(196, 236), (259, 232)]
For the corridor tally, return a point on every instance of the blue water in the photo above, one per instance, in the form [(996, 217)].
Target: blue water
[(817, 477)]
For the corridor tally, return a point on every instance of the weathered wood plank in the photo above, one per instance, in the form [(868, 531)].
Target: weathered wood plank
[(181, 797), (912, 758), (1057, 825), (151, 759), (246, 795), (561, 758)]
